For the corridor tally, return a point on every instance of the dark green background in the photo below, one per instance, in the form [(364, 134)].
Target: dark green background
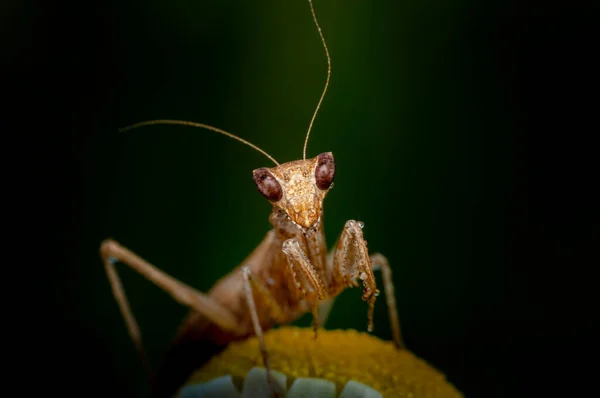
[(461, 132)]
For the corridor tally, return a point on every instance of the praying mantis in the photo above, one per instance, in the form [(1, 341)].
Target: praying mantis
[(289, 274)]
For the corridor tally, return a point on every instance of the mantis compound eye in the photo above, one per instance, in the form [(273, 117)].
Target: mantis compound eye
[(267, 185), (325, 170)]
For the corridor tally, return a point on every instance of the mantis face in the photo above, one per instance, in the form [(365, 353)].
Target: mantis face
[(298, 187)]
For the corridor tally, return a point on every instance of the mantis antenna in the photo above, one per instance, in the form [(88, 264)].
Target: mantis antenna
[(199, 125), (235, 137), (312, 10)]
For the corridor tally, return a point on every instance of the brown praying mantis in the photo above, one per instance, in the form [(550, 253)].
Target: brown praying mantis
[(289, 274)]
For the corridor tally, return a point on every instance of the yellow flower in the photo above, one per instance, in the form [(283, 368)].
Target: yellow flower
[(339, 356)]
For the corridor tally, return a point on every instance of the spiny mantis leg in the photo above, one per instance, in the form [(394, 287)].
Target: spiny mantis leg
[(308, 282), (324, 310), (326, 306), (352, 263), (275, 312), (381, 263), (112, 252)]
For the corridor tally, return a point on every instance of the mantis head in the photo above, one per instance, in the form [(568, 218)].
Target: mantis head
[(299, 187)]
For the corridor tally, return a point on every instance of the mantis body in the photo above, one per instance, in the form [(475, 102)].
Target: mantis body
[(290, 273)]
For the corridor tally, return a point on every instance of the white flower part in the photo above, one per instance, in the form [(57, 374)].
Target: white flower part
[(221, 387), (308, 387), (354, 389), (256, 386)]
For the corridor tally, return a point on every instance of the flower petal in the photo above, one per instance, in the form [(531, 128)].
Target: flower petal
[(310, 387), (221, 387), (354, 389), (256, 385)]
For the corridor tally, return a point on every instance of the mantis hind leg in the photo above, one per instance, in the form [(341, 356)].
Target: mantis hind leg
[(112, 252), (276, 314), (381, 263)]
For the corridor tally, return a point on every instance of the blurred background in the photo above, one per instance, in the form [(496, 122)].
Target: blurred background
[(462, 132)]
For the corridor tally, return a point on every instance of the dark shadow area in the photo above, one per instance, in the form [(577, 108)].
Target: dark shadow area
[(465, 134)]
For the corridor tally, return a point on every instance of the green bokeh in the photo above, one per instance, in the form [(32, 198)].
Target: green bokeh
[(419, 116), (402, 117)]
